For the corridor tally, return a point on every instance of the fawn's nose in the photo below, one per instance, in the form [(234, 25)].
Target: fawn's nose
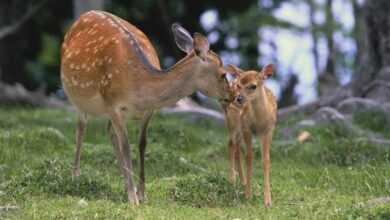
[(240, 99)]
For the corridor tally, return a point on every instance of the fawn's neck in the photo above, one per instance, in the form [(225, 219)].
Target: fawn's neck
[(260, 104)]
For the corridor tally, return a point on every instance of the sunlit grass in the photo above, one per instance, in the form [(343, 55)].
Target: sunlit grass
[(331, 176)]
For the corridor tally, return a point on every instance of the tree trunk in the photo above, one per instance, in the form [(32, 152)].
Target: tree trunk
[(314, 35), (81, 6), (10, 47), (327, 80), (372, 80)]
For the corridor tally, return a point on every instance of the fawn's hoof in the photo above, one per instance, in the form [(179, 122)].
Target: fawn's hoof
[(243, 181), (267, 203), (267, 200)]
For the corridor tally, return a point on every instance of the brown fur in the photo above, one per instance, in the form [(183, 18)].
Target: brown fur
[(110, 69), (257, 116)]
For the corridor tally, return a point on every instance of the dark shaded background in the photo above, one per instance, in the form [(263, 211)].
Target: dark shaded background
[(31, 34)]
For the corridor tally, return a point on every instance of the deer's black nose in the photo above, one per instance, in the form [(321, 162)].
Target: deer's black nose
[(240, 99)]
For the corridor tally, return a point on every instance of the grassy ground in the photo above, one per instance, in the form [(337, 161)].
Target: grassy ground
[(331, 176)]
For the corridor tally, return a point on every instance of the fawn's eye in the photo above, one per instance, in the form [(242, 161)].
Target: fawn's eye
[(223, 76), (253, 87)]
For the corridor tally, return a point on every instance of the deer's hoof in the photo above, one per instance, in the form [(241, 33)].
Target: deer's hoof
[(75, 172), (141, 193), (248, 193), (232, 179), (133, 199)]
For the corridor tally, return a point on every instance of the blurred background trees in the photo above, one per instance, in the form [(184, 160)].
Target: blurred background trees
[(318, 46)]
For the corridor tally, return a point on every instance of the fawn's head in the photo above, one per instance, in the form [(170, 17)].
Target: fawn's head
[(211, 79), (246, 84)]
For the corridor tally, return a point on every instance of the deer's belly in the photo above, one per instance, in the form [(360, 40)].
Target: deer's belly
[(93, 105)]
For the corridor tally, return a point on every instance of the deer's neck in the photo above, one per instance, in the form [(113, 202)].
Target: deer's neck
[(166, 87)]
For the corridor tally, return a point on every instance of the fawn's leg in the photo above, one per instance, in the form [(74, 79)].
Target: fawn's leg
[(267, 139), (142, 141), (239, 164), (231, 153), (80, 133), (249, 164), (118, 152), (118, 124)]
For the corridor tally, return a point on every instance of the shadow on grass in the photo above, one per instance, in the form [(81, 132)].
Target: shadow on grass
[(53, 178)]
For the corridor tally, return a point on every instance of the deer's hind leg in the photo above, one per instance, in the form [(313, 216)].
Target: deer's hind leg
[(142, 141), (80, 133)]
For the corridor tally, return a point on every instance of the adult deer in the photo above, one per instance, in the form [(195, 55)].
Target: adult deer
[(256, 115), (110, 69)]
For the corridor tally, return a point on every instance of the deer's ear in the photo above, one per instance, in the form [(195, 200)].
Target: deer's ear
[(267, 71), (201, 46), (183, 39), (234, 71)]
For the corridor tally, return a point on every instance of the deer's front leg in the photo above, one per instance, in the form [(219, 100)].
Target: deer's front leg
[(141, 147), (118, 153), (118, 124), (80, 133), (267, 139)]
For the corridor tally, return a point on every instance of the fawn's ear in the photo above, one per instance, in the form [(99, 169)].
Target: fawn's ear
[(233, 70), (267, 71), (183, 39), (201, 46)]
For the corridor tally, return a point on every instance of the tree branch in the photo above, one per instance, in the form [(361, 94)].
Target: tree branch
[(12, 28)]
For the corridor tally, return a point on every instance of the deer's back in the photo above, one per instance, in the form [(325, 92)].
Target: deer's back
[(102, 59)]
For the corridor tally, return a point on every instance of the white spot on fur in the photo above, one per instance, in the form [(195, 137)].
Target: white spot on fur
[(74, 82), (69, 55)]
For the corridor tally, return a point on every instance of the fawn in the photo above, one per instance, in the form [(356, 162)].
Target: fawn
[(255, 115), (110, 69)]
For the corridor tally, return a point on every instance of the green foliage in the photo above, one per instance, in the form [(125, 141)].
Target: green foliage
[(373, 120)]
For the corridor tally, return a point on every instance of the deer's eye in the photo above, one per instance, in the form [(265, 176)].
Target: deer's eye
[(253, 87), (223, 76)]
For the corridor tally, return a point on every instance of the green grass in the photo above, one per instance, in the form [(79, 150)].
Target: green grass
[(331, 176)]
